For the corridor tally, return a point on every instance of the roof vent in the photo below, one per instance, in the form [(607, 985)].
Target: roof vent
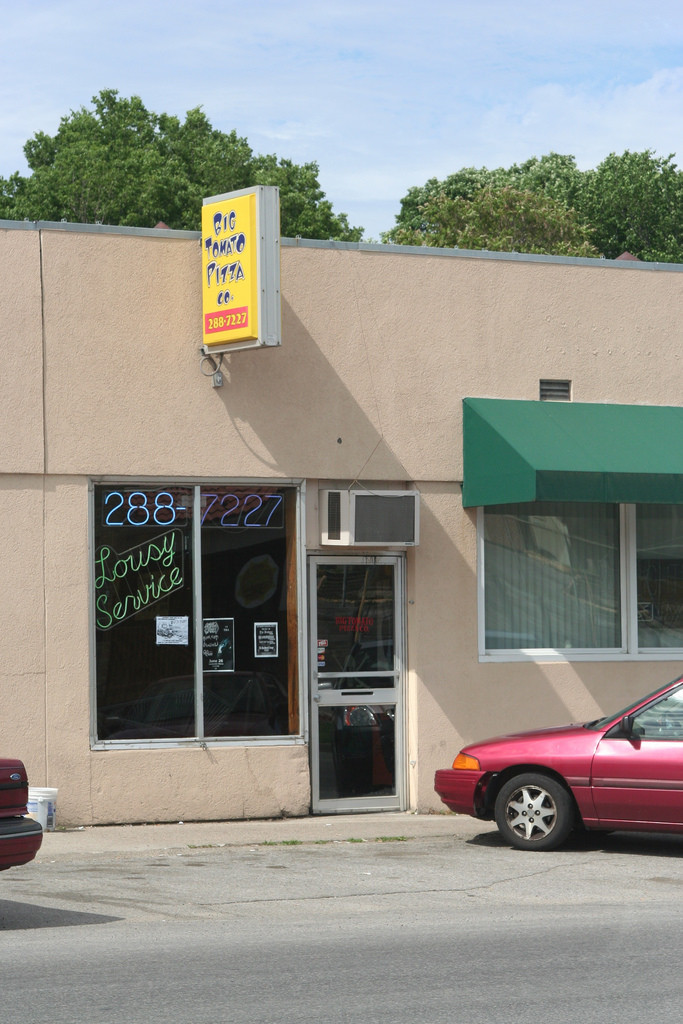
[(555, 390)]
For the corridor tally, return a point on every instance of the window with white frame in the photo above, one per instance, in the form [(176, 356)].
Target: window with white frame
[(659, 543), (579, 577)]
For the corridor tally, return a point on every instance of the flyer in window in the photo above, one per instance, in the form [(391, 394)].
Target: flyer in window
[(218, 645), (265, 640), (172, 629)]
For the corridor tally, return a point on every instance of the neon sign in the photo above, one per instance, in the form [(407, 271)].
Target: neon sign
[(230, 507), (240, 507), (146, 508), (128, 581)]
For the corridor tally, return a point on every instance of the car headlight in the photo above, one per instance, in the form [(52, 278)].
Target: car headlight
[(361, 715)]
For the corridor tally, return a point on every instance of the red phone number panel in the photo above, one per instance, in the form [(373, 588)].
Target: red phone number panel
[(232, 321)]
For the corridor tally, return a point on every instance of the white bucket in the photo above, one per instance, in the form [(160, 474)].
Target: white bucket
[(42, 805)]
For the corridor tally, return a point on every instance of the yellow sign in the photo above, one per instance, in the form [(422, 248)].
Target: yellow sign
[(241, 269), (230, 268)]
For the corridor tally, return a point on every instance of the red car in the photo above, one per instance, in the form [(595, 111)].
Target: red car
[(20, 837), (623, 772)]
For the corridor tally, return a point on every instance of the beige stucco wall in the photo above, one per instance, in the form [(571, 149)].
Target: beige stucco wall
[(377, 348), (101, 377), (21, 346), (23, 634)]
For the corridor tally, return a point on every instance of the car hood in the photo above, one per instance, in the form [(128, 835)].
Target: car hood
[(545, 746)]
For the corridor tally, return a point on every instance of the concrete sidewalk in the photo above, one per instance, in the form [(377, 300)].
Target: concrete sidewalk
[(113, 840)]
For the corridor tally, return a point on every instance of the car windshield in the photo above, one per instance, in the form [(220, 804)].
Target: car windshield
[(600, 723)]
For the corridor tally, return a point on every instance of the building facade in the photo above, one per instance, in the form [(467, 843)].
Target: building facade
[(303, 590)]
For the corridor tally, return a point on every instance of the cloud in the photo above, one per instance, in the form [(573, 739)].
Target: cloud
[(588, 124)]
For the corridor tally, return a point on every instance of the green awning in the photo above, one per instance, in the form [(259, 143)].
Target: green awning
[(565, 451)]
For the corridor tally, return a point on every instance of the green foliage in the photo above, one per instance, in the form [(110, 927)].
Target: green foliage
[(302, 201), (120, 163), (635, 203), (555, 175), (10, 190), (629, 203), (464, 184), (501, 220)]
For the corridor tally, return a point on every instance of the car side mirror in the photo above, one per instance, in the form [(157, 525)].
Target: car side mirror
[(627, 725)]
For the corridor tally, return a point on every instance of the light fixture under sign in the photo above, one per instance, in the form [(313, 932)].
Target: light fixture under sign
[(214, 363)]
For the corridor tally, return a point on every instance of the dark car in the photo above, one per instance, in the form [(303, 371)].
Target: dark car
[(20, 836), (234, 704), (622, 772)]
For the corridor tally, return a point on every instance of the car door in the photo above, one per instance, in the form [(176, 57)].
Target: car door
[(637, 774)]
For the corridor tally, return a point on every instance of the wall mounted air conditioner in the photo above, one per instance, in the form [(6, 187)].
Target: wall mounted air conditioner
[(355, 518)]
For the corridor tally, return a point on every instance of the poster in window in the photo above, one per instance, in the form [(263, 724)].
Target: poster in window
[(265, 640), (218, 645)]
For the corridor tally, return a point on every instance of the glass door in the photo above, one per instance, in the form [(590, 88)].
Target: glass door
[(356, 692)]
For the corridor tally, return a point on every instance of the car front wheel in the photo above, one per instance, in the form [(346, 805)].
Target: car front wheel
[(534, 812)]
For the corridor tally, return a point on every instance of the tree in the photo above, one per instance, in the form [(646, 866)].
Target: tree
[(120, 163), (635, 204), (302, 201), (629, 203), (464, 184), (501, 220), (554, 175)]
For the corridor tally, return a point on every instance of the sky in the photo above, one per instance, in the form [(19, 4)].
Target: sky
[(381, 95)]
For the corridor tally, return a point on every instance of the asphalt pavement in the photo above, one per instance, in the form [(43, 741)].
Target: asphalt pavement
[(234, 921), (119, 840)]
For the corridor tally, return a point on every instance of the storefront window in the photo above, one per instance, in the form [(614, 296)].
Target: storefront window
[(195, 612), (552, 577), (659, 533)]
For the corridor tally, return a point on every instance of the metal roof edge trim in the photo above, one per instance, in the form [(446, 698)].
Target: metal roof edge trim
[(478, 254), (95, 229), (376, 247)]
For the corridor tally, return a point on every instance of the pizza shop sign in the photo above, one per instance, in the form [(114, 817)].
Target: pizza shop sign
[(241, 270), (351, 624)]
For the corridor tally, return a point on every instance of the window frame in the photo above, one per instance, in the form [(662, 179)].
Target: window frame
[(628, 651), (295, 739)]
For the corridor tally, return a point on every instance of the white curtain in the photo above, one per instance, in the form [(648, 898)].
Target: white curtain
[(659, 541), (552, 576)]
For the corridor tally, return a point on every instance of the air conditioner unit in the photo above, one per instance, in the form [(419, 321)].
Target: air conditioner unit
[(356, 518)]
